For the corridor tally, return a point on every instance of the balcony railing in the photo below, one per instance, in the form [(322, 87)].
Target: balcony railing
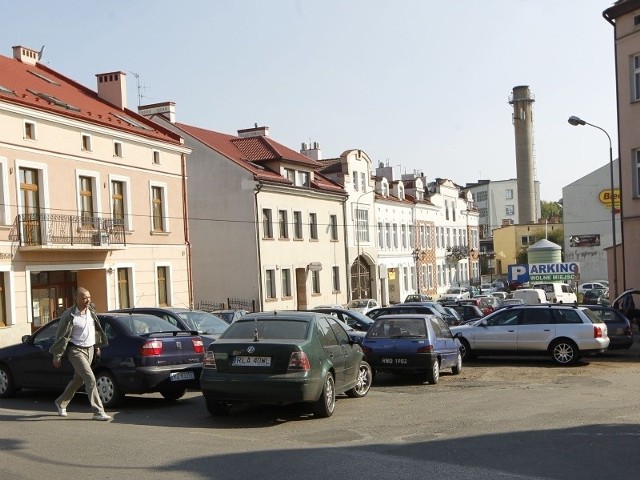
[(46, 229)]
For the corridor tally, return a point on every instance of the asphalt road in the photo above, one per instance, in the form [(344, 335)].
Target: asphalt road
[(499, 419)]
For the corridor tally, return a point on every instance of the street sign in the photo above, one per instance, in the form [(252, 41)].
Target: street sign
[(544, 272)]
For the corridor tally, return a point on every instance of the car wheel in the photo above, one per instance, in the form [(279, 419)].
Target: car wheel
[(173, 394), (465, 349), (7, 385), (365, 378), (457, 368), (108, 389), (217, 408), (433, 375), (564, 352), (326, 404)]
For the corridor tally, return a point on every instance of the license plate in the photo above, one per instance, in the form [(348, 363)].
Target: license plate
[(394, 361), (179, 376), (251, 361)]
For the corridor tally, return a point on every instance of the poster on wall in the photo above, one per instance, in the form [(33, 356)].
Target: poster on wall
[(584, 240)]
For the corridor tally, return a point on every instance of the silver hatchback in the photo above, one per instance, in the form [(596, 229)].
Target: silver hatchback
[(565, 333)]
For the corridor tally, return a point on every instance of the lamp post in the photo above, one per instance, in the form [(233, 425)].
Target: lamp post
[(577, 121)]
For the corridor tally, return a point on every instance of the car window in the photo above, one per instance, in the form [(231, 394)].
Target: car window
[(534, 316), (567, 316), (109, 330), (509, 317), (396, 328), (267, 329), (595, 318), (204, 322), (325, 333), (444, 328), (339, 331), (46, 334)]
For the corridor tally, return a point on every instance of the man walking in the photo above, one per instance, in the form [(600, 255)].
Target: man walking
[(79, 337)]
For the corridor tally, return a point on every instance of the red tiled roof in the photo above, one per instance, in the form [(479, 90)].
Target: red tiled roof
[(250, 152), (68, 98)]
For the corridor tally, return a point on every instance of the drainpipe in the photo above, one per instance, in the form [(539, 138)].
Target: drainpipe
[(258, 244), (185, 216), (346, 247)]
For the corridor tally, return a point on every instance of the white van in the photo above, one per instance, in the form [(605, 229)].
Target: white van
[(558, 292), (530, 296)]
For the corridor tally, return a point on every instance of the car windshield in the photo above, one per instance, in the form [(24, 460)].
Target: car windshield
[(358, 303), (398, 328), (362, 317), (204, 322), (267, 329), (454, 291), (140, 324)]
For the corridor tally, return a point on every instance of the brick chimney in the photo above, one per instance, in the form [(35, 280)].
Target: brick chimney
[(112, 88), (256, 131), (164, 109), (26, 55), (311, 151)]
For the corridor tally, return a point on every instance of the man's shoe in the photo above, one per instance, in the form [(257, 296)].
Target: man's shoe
[(103, 417), (61, 411)]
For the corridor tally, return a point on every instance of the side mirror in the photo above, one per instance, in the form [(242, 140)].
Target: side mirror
[(28, 339), (483, 323)]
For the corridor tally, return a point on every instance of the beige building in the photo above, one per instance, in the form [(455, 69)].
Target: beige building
[(624, 15), (266, 230), (91, 194)]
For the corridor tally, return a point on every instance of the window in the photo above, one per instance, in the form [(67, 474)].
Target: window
[(481, 196), (510, 210), (304, 179), (355, 180), (430, 276), (395, 236), (267, 229), (403, 235), (411, 239), (86, 201), (446, 209), (297, 225), (362, 225), (380, 235), (156, 157), (636, 78), (363, 179), (29, 131), (282, 224), (527, 240), (636, 173), (429, 246), (157, 209), (286, 282), (387, 235), (406, 278), (117, 201), (290, 175), (163, 286), (315, 281), (335, 272), (509, 194), (117, 149), (86, 143), (123, 288), (333, 227), (270, 284), (313, 226)]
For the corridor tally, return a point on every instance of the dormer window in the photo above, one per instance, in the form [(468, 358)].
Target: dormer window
[(401, 192), (304, 179), (290, 175)]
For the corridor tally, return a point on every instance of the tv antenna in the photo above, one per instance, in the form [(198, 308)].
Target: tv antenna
[(139, 88)]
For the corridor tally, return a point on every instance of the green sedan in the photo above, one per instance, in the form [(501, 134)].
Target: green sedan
[(283, 357)]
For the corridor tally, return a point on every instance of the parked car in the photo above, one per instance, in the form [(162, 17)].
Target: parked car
[(563, 332), (283, 357), (468, 312), (619, 328), (207, 325), (530, 296), (558, 292), (145, 354), (433, 308), (229, 315), (500, 295), (511, 301), (596, 296), (628, 302), (487, 303), (353, 318), (362, 305), (419, 344), (487, 288), (584, 287), (417, 297), (454, 295), (454, 313)]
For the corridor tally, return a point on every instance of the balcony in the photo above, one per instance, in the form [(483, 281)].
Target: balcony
[(53, 231)]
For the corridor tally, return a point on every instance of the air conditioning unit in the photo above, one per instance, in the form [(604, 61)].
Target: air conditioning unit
[(100, 239)]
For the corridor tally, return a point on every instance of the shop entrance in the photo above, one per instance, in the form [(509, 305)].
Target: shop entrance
[(51, 294)]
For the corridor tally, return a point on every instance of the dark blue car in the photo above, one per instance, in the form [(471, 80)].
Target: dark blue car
[(145, 354), (412, 343)]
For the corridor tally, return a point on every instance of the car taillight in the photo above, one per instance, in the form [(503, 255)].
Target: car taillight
[(366, 349), (299, 361), (209, 360), (597, 332), (151, 347), (198, 346), (426, 349)]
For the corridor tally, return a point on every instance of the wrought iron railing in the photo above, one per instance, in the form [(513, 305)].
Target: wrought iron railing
[(38, 229)]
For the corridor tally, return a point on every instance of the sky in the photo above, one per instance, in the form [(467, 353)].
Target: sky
[(419, 84)]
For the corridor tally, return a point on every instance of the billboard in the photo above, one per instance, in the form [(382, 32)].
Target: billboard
[(584, 240), (544, 272)]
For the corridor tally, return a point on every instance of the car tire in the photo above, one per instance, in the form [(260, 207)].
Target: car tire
[(217, 408), (457, 368), (465, 349), (173, 394), (433, 375), (364, 381), (564, 352), (7, 385), (108, 390), (326, 404)]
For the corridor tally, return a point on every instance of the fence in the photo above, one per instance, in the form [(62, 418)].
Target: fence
[(231, 304)]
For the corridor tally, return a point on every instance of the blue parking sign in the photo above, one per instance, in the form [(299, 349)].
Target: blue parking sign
[(519, 273)]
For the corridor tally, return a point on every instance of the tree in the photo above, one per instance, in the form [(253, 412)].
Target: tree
[(551, 209)]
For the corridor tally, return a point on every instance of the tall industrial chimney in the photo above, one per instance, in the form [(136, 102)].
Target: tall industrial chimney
[(522, 100)]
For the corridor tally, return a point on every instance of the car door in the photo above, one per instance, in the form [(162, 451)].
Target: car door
[(352, 355), (535, 329), (445, 344), (497, 332), (332, 348)]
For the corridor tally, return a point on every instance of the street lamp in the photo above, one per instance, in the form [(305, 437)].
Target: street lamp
[(577, 121)]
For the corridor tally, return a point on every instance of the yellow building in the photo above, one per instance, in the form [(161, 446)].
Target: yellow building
[(509, 240)]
